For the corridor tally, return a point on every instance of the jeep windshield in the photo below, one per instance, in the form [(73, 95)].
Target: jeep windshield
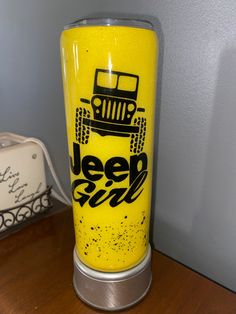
[(117, 84)]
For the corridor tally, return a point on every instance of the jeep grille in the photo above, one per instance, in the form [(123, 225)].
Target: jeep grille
[(112, 109)]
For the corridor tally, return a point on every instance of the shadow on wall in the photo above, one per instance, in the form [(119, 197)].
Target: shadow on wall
[(157, 27), (214, 226), (209, 247)]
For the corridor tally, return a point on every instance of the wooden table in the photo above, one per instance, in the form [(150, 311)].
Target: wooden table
[(36, 270)]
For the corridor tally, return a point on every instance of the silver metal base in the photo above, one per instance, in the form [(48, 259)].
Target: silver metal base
[(112, 291)]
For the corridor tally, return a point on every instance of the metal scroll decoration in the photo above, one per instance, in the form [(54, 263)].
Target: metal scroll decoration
[(15, 216)]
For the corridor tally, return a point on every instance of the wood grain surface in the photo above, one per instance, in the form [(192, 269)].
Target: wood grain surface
[(36, 269)]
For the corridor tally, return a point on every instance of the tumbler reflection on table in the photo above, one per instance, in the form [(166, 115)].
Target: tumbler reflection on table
[(109, 74)]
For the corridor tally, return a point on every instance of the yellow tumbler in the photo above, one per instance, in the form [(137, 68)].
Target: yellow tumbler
[(109, 69)]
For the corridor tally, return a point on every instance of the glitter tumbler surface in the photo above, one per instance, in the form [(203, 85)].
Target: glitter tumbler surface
[(109, 76)]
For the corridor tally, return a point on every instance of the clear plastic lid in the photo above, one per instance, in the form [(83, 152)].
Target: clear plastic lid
[(111, 22)]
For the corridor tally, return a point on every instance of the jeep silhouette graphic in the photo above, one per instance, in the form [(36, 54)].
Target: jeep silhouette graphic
[(114, 108)]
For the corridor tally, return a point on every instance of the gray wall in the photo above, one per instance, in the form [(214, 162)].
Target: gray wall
[(31, 95), (195, 191)]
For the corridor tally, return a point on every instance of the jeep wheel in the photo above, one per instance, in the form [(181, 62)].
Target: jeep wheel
[(137, 139), (81, 130)]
